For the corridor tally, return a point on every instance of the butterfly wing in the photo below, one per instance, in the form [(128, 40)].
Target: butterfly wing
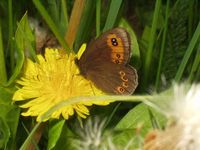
[(114, 79), (105, 58), (112, 46)]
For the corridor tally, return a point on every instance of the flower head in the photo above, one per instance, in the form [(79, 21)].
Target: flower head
[(184, 133), (186, 110), (92, 136), (51, 80)]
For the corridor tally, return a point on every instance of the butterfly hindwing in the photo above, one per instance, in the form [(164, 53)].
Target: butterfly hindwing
[(114, 79)]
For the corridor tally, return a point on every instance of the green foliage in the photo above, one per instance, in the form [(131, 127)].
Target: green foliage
[(50, 23), (165, 43), (66, 139), (177, 39), (86, 24), (54, 133), (139, 117), (136, 124), (3, 73), (9, 118), (112, 14), (23, 41)]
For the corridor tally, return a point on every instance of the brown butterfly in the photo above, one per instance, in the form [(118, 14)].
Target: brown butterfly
[(105, 63)]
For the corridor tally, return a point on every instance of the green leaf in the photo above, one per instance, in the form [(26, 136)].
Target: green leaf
[(24, 146), (135, 124), (24, 43), (177, 39), (188, 53), (134, 44), (138, 116), (163, 43), (86, 24), (63, 16), (24, 38), (112, 14), (126, 137), (51, 24), (195, 65), (98, 17), (54, 133), (66, 140), (5, 95), (9, 116), (53, 10), (152, 40), (3, 73), (4, 133)]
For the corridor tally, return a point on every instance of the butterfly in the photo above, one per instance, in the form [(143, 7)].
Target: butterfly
[(105, 63)]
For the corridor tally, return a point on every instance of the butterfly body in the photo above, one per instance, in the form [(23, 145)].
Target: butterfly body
[(105, 62)]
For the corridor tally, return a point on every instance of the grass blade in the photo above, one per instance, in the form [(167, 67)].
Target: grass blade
[(10, 35), (112, 14), (98, 17), (53, 11), (3, 73), (195, 65), (30, 137), (162, 46), (64, 12), (74, 22), (152, 39), (51, 24), (86, 25), (188, 54)]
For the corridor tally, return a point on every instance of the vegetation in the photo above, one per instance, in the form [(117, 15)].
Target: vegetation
[(165, 37)]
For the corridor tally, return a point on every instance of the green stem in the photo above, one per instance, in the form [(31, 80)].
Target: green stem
[(108, 120), (3, 74), (30, 137), (162, 46), (92, 99), (64, 8), (148, 60)]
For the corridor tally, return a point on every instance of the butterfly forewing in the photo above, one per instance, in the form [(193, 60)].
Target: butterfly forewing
[(112, 46), (115, 46)]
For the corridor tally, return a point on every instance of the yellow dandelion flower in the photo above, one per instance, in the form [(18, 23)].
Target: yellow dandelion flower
[(51, 80)]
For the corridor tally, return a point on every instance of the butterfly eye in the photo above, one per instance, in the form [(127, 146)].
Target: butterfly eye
[(114, 41)]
